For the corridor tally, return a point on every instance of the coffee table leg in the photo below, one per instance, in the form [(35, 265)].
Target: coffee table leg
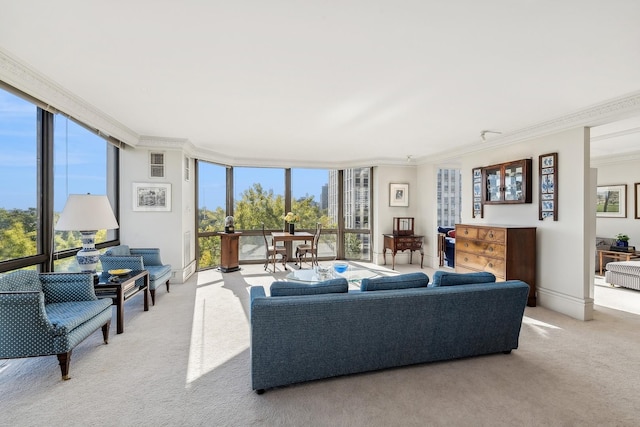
[(146, 293), (120, 310)]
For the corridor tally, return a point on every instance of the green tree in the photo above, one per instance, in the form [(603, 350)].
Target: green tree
[(16, 242)]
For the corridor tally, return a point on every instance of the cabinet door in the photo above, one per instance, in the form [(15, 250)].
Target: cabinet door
[(513, 182), (493, 184)]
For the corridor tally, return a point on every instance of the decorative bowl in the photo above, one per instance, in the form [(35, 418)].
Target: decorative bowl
[(340, 267), (324, 272), (120, 272)]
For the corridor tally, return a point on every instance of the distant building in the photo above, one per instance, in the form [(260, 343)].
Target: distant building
[(449, 197)]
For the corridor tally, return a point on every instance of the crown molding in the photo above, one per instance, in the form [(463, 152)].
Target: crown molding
[(606, 112), (615, 159), (24, 78)]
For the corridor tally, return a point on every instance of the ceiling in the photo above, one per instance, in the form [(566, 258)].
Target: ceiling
[(357, 81)]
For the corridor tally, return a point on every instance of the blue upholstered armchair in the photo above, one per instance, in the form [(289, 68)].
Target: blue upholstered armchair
[(47, 314), (148, 259)]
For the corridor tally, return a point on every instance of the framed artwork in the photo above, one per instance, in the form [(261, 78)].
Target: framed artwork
[(611, 201), (637, 188), (478, 206), (398, 194), (150, 196), (548, 186)]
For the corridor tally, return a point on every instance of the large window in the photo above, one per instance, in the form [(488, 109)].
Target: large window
[(256, 196), (19, 202), (46, 157), (212, 193)]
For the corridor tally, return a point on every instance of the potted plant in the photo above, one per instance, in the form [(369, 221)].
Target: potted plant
[(622, 240)]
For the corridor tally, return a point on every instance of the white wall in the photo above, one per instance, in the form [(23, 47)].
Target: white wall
[(384, 214), (564, 247), (164, 230), (628, 173)]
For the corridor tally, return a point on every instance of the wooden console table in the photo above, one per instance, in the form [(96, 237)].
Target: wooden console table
[(229, 247), (402, 243)]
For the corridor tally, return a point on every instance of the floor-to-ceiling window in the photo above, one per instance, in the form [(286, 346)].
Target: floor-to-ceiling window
[(45, 157), (19, 165), (449, 197), (256, 196)]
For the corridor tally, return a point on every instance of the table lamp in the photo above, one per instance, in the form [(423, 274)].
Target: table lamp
[(87, 213)]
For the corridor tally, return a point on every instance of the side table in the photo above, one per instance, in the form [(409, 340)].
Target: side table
[(402, 243), (121, 289)]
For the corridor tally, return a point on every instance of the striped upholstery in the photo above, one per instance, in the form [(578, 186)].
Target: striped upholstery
[(624, 273)]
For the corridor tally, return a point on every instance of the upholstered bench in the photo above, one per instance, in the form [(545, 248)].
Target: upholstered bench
[(624, 273)]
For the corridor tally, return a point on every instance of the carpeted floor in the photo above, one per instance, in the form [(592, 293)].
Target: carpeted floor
[(186, 362)]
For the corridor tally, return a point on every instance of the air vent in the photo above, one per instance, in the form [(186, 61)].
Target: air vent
[(156, 165)]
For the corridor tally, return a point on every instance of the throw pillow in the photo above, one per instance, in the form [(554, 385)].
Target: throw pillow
[(401, 281), (286, 289), (444, 278)]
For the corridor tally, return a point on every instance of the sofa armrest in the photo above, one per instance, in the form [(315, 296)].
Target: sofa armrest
[(67, 287), (150, 256), (257, 292), (134, 262)]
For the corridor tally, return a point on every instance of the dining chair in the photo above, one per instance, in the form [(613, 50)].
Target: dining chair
[(309, 249), (272, 251)]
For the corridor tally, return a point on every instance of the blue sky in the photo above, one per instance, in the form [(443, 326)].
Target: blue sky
[(80, 164)]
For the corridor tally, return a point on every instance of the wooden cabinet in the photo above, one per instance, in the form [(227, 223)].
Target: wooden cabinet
[(507, 182), (507, 252), (229, 246), (402, 243)]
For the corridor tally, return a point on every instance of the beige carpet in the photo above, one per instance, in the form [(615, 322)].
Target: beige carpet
[(186, 362)]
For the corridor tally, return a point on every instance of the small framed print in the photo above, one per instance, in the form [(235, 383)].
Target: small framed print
[(611, 201), (151, 196), (478, 206), (398, 194), (548, 186)]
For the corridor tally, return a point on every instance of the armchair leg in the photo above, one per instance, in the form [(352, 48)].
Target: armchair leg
[(105, 331), (64, 359), (167, 286), (153, 296)]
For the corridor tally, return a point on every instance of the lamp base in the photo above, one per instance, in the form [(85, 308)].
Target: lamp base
[(88, 257)]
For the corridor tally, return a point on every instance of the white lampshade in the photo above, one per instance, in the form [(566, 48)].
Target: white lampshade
[(86, 212)]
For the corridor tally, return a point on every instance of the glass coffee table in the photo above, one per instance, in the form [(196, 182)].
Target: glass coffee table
[(354, 275)]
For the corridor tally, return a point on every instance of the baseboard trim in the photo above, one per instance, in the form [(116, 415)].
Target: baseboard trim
[(578, 308)]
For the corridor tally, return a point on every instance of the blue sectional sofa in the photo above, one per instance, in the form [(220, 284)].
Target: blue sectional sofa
[(308, 332)]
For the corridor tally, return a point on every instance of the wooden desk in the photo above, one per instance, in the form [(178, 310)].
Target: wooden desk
[(402, 243), (284, 236), (616, 255), (120, 290)]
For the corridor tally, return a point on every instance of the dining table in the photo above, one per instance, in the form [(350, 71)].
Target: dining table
[(285, 236)]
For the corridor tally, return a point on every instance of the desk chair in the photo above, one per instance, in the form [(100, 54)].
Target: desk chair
[(311, 249), (272, 251)]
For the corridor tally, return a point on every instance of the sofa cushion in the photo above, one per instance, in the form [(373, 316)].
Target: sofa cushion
[(120, 250), (445, 278), (333, 286), (401, 281), (21, 281)]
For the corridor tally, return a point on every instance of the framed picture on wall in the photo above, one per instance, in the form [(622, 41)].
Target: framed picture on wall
[(611, 201), (398, 194), (150, 196), (637, 192)]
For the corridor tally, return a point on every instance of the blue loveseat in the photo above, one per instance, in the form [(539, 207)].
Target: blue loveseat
[(122, 256), (305, 332)]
